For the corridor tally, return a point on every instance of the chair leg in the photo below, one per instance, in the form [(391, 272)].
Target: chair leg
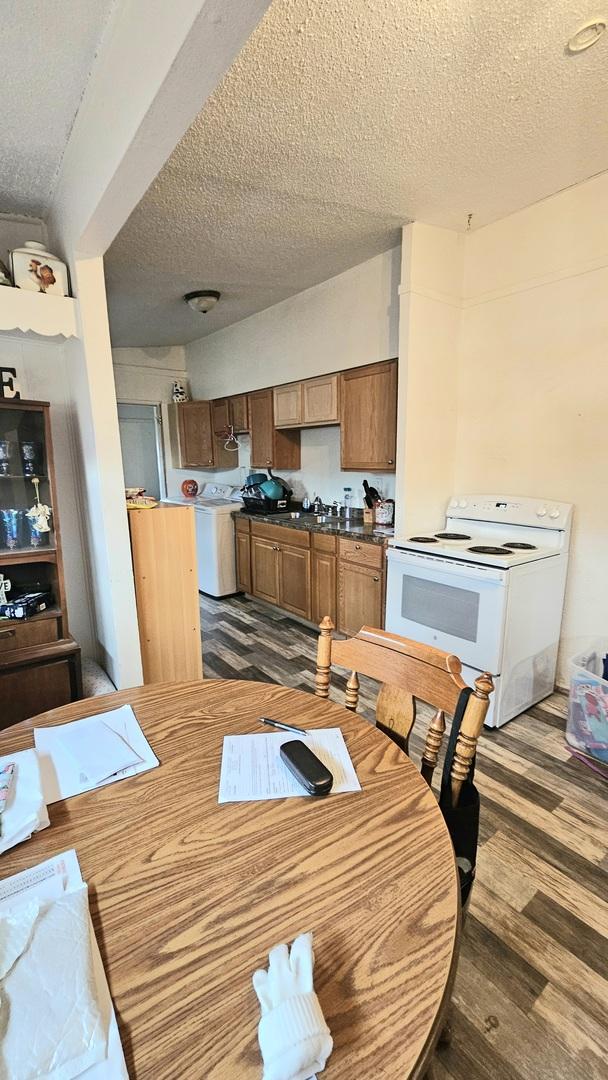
[(323, 674)]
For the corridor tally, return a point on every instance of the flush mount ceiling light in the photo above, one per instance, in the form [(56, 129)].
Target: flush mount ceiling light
[(202, 300), (586, 36)]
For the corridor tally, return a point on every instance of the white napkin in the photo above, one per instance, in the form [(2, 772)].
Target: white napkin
[(50, 1021), (25, 810), (97, 750), (294, 1038)]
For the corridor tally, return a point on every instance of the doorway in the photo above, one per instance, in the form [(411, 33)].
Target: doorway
[(141, 447)]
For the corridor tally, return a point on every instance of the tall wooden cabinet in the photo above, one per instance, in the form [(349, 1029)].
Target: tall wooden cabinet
[(270, 447), (368, 417), (39, 659), (163, 546)]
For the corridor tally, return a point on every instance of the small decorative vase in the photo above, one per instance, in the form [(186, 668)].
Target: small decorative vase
[(34, 537), (11, 522), (6, 452), (31, 457), (37, 270)]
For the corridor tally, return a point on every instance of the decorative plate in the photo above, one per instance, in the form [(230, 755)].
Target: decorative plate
[(189, 488)]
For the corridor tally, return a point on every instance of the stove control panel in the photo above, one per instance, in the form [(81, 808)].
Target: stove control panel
[(511, 510)]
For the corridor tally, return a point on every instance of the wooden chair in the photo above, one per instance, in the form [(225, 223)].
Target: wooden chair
[(407, 671)]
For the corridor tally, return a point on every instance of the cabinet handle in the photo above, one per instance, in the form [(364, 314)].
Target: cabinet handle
[(268, 461), (390, 461), (357, 547), (376, 579)]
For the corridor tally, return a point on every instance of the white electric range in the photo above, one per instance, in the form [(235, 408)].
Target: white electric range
[(488, 587)]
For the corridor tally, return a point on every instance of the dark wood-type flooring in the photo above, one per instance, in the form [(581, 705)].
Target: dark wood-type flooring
[(531, 995)]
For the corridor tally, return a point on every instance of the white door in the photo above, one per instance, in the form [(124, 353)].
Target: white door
[(140, 446), (454, 606)]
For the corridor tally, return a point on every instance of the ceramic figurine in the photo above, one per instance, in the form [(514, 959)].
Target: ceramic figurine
[(179, 393)]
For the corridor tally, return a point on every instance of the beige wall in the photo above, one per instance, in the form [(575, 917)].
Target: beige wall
[(146, 376), (533, 379)]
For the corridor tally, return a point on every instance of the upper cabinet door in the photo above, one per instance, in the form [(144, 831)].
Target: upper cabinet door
[(220, 415), (320, 400), (368, 417), (288, 405), (239, 413), (261, 426), (195, 434)]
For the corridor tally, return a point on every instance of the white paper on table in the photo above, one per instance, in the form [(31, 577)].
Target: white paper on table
[(97, 750), (252, 767), (25, 810), (61, 775), (57, 886)]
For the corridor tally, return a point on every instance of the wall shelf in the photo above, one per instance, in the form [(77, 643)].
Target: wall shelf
[(36, 313)]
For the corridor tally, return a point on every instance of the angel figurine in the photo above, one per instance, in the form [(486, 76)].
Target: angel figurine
[(39, 514)]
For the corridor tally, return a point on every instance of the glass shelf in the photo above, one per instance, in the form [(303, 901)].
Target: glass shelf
[(23, 478)]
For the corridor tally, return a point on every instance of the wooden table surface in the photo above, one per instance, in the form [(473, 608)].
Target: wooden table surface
[(187, 897)]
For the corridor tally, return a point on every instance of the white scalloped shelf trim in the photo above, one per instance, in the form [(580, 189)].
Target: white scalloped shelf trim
[(37, 313)]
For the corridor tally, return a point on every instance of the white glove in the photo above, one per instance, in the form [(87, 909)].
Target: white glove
[(294, 1039)]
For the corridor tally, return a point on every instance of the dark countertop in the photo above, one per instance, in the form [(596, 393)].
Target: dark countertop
[(355, 530)]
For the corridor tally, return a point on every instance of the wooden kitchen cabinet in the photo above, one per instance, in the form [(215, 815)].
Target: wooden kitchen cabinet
[(230, 412), (220, 415), (243, 554), (288, 405), (312, 403), (264, 569), (270, 447), (294, 580), (281, 567), (323, 578), (360, 597), (321, 401), (368, 417), (239, 413), (199, 445)]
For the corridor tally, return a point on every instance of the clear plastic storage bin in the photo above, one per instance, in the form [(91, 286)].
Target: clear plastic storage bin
[(587, 727)]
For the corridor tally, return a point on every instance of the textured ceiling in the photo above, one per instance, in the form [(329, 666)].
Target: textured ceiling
[(46, 51), (338, 122)]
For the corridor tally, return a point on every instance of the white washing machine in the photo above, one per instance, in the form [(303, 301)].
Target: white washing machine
[(215, 548)]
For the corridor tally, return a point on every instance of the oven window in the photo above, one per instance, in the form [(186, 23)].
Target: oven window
[(447, 608)]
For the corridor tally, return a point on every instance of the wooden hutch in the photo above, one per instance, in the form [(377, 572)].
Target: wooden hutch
[(39, 660)]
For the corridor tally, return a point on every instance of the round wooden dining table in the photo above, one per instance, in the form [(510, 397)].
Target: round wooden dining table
[(187, 896)]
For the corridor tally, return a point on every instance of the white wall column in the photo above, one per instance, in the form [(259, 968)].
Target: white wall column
[(429, 328)]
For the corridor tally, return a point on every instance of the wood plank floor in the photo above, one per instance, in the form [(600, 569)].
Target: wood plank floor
[(531, 996)]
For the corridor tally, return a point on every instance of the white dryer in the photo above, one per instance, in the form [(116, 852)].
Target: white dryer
[(215, 548)]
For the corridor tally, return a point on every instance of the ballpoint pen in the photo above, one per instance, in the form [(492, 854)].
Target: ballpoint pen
[(282, 726)]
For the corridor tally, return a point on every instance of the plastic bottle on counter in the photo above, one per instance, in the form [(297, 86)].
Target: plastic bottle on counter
[(348, 501)]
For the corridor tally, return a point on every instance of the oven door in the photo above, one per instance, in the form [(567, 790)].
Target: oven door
[(456, 606)]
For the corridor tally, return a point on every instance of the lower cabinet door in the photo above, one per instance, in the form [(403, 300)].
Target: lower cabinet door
[(26, 691), (323, 586), (294, 580), (243, 561), (265, 569), (359, 597)]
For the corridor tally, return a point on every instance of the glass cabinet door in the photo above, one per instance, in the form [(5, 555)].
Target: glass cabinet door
[(26, 513)]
